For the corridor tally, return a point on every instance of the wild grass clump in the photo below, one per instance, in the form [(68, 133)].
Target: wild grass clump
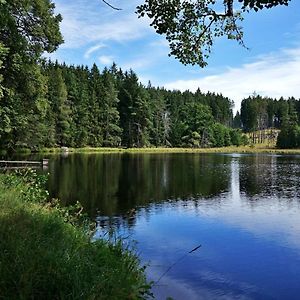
[(251, 148), (22, 150), (49, 150), (45, 254)]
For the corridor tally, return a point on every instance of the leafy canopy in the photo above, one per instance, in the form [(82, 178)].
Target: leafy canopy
[(190, 26), (29, 26)]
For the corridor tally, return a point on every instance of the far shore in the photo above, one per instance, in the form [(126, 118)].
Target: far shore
[(231, 149)]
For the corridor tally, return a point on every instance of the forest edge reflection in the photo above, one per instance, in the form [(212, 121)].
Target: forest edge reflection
[(116, 186)]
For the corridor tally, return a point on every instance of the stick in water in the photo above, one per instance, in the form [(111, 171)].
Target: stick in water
[(179, 259)]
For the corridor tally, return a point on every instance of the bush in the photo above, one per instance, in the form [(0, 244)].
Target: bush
[(236, 137), (289, 137)]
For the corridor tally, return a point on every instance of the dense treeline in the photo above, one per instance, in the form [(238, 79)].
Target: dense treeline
[(259, 113), (45, 104), (78, 106)]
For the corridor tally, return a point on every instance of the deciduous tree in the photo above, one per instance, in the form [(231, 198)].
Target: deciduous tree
[(191, 27)]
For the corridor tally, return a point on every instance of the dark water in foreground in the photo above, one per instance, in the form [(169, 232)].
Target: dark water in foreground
[(243, 209)]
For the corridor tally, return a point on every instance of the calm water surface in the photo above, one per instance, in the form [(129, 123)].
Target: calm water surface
[(244, 210)]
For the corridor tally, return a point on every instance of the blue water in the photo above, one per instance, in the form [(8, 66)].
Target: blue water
[(244, 211)]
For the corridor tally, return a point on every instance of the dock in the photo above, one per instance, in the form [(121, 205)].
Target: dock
[(17, 164)]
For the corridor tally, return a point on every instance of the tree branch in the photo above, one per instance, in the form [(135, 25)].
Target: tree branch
[(202, 33), (113, 7), (229, 7)]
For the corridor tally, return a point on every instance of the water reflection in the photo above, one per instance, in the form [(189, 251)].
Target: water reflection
[(267, 175), (243, 210), (114, 184)]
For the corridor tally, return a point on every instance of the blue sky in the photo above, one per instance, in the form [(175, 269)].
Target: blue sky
[(93, 32)]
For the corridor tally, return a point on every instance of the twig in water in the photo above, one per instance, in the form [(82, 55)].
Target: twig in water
[(195, 249), (179, 259)]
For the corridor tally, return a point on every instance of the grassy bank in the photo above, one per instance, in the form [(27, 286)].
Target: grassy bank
[(257, 148), (44, 256)]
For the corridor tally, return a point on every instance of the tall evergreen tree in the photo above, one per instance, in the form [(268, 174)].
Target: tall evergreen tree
[(81, 110), (134, 110), (110, 115), (61, 113), (95, 108), (159, 134)]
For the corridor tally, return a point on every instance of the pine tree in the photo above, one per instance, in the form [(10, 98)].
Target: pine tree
[(61, 112), (95, 134), (135, 114), (160, 117), (110, 115)]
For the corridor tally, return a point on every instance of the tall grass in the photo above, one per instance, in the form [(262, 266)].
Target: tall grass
[(253, 148), (44, 256)]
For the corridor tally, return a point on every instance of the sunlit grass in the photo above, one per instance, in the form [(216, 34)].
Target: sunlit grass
[(255, 148), (44, 257)]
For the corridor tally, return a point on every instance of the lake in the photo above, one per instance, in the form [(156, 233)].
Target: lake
[(244, 211)]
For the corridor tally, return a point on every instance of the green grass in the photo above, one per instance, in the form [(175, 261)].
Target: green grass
[(254, 148), (44, 257)]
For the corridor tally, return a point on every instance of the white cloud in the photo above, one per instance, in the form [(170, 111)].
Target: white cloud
[(149, 56), (93, 49), (160, 43), (106, 60), (274, 75), (137, 64), (92, 21)]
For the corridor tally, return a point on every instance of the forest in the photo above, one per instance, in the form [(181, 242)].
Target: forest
[(260, 113), (77, 106), (48, 104)]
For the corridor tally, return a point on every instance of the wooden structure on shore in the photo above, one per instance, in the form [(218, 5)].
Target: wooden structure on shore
[(18, 164)]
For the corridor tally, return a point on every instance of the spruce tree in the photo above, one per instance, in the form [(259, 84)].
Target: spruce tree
[(61, 112), (110, 115), (95, 134)]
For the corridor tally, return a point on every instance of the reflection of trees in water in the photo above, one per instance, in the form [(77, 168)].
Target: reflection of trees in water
[(254, 171), (112, 224), (121, 224), (269, 176), (122, 185), (89, 179), (115, 183)]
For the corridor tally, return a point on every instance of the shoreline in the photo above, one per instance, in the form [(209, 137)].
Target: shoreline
[(160, 150)]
